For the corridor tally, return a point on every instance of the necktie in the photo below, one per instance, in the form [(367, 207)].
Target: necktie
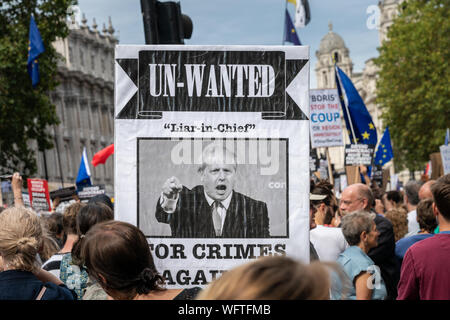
[(217, 220)]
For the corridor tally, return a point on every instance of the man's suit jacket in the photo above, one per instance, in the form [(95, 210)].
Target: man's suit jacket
[(192, 218)]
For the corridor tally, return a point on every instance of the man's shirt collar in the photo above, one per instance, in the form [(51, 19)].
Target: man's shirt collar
[(225, 203)]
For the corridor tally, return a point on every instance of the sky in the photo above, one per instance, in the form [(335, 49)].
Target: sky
[(250, 22)]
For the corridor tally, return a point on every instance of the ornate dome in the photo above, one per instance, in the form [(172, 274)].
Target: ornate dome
[(331, 41)]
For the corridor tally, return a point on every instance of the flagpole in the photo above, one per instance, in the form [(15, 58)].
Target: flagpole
[(284, 25)]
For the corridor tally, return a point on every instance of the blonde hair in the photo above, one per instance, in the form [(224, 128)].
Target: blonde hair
[(271, 278), (399, 219), (20, 238)]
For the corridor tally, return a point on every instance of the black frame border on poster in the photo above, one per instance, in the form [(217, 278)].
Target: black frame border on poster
[(211, 138)]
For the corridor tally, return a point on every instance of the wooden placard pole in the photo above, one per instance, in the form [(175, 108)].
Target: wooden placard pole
[(330, 172)]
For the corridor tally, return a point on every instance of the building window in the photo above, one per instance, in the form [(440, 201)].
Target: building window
[(102, 63), (70, 54), (81, 57), (325, 79), (92, 62)]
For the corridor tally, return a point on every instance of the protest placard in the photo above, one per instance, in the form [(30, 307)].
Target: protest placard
[(325, 119), (377, 175), (64, 194), (91, 191), (39, 195), (314, 163), (445, 155), (213, 123), (358, 154)]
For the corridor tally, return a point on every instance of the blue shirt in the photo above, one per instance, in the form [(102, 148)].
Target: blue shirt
[(402, 245), (354, 261)]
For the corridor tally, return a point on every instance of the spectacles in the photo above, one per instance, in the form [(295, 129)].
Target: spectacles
[(347, 202)]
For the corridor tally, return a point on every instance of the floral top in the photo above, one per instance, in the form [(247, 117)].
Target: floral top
[(73, 276)]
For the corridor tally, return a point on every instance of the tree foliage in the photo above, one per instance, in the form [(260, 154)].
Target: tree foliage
[(25, 113), (414, 77)]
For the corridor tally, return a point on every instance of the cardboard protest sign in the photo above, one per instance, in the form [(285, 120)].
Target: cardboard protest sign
[(358, 154), (314, 163), (377, 175), (325, 119), (212, 143), (436, 165), (26, 200), (39, 195), (323, 169), (445, 155)]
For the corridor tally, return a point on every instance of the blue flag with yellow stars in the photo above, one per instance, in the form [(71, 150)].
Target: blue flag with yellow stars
[(384, 152), (35, 48), (290, 34), (357, 118)]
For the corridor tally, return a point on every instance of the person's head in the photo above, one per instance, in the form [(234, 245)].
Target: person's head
[(218, 171), (70, 218), (441, 197), (356, 196), (399, 219), (271, 278), (392, 199), (102, 198), (328, 204), (425, 216), (54, 223), (425, 190), (412, 193), (359, 228), (117, 255), (89, 215), (20, 239)]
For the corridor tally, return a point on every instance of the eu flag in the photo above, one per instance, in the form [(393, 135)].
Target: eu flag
[(35, 48), (84, 174), (384, 152), (290, 34), (357, 119)]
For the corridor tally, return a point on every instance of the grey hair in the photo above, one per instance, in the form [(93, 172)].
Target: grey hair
[(353, 224), (217, 149), (412, 192)]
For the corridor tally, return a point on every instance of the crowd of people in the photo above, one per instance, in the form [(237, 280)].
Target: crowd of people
[(365, 245)]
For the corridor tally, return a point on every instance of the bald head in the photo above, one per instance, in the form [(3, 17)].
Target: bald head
[(355, 197), (425, 190)]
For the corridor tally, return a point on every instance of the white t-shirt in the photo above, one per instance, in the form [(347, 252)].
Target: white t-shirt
[(413, 225), (328, 241)]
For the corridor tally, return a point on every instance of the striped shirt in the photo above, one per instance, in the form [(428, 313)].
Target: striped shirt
[(53, 264)]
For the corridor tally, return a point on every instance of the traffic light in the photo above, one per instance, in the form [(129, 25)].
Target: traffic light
[(164, 23)]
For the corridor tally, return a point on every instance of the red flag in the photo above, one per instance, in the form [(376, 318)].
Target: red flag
[(102, 155)]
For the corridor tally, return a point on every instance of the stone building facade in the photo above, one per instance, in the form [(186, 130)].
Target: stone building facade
[(84, 103), (332, 48)]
